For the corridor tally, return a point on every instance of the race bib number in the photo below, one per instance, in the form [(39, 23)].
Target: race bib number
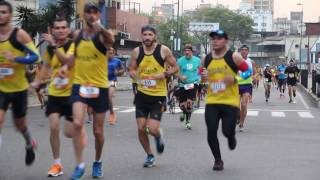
[(291, 75), (6, 71), (218, 87), (89, 92), (60, 83), (148, 83), (189, 66), (188, 86), (281, 72)]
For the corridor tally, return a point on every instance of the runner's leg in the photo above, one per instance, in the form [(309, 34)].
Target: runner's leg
[(98, 126)]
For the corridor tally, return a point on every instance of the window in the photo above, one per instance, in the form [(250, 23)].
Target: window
[(264, 24)]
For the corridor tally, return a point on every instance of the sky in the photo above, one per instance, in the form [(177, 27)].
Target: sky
[(282, 7)]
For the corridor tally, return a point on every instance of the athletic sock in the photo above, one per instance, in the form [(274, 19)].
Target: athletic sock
[(27, 136), (57, 161), (82, 165)]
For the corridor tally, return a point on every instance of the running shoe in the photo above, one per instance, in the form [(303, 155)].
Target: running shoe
[(149, 162), (55, 170), (232, 142), (30, 154), (77, 173), (218, 165), (97, 170), (188, 126), (290, 101), (159, 142)]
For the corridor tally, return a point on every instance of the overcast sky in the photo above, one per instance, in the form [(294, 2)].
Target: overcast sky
[(282, 7)]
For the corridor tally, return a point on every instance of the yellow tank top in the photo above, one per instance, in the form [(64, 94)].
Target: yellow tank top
[(12, 75), (59, 87), (149, 65), (218, 92), (91, 63)]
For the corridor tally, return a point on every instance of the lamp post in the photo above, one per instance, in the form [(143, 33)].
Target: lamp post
[(301, 21)]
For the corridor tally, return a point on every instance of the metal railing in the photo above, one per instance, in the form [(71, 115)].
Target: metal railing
[(304, 78)]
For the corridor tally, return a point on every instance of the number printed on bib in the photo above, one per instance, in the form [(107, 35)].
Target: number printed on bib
[(291, 75), (148, 83), (188, 86), (218, 87), (6, 71), (89, 92), (60, 83)]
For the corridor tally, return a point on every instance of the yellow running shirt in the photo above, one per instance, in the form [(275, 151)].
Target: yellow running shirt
[(91, 63), (58, 86), (218, 91), (12, 75), (148, 66)]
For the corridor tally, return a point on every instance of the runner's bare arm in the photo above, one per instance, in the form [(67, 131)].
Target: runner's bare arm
[(170, 60), (133, 64)]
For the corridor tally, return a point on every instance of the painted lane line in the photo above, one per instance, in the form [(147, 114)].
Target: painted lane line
[(252, 113), (199, 111), (128, 110), (277, 114), (305, 115), (303, 101)]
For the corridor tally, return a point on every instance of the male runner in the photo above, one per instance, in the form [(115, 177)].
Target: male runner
[(60, 50), (223, 98), (148, 68), (115, 68), (292, 72), (189, 78), (90, 87), (245, 87), (16, 50), (267, 81), (282, 78)]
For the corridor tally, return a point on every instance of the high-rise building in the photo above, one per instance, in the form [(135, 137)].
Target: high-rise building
[(267, 5), (296, 17)]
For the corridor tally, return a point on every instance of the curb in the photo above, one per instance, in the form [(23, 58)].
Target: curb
[(310, 96)]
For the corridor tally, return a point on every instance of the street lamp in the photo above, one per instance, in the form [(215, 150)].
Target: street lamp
[(301, 21)]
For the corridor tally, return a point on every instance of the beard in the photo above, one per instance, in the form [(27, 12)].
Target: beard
[(149, 43)]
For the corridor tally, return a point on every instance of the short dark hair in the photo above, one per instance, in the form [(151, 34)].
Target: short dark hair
[(59, 19), (6, 3), (244, 46)]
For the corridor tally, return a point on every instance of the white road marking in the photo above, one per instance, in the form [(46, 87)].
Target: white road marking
[(128, 110), (199, 111), (282, 110), (303, 101), (252, 113), (277, 114), (305, 115)]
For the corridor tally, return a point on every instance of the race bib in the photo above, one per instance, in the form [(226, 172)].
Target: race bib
[(148, 83), (89, 92), (189, 66), (60, 83), (282, 72), (218, 87), (6, 71), (291, 75), (188, 86)]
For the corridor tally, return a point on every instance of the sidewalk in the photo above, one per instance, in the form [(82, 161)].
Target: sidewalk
[(307, 92), (124, 84)]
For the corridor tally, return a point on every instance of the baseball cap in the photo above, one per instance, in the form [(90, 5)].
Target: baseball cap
[(91, 5), (244, 46), (219, 33)]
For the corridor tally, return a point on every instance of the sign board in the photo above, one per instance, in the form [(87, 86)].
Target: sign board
[(203, 27)]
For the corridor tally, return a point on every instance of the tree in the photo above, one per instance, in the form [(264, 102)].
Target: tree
[(39, 22), (238, 27)]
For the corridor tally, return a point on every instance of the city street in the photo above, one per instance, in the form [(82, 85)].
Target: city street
[(281, 142)]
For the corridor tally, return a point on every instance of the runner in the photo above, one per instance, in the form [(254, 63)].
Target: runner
[(147, 67), (90, 87), (292, 72), (189, 77), (282, 79), (267, 81), (60, 50), (115, 68), (223, 98), (16, 50), (245, 87)]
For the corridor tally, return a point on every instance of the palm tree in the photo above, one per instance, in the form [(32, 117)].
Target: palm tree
[(27, 19)]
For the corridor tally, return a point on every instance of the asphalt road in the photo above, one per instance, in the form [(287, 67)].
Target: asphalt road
[(281, 142)]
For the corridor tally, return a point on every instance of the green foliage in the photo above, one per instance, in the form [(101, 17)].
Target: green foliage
[(35, 23)]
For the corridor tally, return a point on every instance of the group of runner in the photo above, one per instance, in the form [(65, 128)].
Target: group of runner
[(284, 76), (83, 77)]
